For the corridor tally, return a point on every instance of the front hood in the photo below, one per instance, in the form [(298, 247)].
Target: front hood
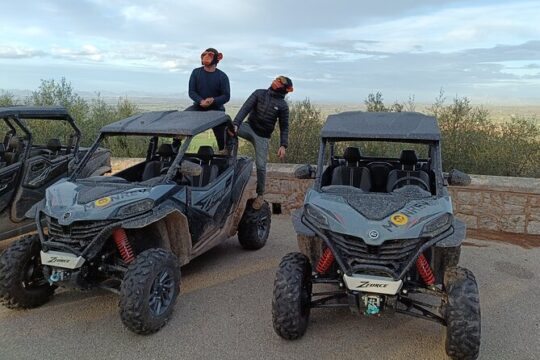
[(73, 201), (376, 218)]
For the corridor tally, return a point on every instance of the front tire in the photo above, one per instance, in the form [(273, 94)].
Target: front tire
[(254, 226), (22, 283), (291, 303), (462, 314), (149, 291)]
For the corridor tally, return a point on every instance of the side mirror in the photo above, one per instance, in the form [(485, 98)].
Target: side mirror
[(190, 169), (458, 178)]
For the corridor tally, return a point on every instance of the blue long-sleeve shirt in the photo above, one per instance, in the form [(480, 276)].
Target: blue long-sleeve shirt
[(204, 84)]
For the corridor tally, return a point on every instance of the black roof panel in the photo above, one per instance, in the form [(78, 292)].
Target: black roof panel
[(406, 126), (168, 123), (35, 112)]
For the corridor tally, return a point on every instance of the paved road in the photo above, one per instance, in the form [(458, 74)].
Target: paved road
[(224, 313)]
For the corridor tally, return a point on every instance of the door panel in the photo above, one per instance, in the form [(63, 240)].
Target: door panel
[(8, 184), (39, 173)]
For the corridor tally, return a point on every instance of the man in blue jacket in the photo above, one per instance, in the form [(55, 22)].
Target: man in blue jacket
[(209, 89), (265, 107)]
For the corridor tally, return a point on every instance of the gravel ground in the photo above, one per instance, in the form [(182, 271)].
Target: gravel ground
[(224, 312)]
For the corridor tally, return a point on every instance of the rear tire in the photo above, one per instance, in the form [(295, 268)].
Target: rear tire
[(22, 283), (291, 303), (462, 313), (254, 226), (149, 291)]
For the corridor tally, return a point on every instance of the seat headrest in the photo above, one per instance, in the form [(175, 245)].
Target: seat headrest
[(165, 150), (352, 154), (205, 152), (54, 144), (408, 157), (14, 143)]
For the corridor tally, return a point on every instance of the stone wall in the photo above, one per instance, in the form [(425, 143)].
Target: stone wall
[(491, 204)]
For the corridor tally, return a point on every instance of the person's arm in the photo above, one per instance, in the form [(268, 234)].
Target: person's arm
[(193, 94), (284, 126), (245, 109), (225, 91)]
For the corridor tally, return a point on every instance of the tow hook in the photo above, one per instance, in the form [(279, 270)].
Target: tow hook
[(58, 275)]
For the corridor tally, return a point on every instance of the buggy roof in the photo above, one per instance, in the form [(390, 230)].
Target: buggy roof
[(395, 126), (168, 123), (35, 112)]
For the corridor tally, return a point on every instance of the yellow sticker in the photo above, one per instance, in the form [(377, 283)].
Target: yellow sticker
[(103, 201), (399, 219)]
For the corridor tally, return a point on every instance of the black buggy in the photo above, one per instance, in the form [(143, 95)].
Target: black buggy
[(28, 168), (130, 232), (378, 233)]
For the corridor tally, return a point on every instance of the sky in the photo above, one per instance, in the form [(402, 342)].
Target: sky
[(334, 51)]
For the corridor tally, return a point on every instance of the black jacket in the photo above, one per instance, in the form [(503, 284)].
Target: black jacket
[(265, 107)]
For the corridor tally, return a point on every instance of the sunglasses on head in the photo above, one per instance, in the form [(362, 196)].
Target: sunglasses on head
[(207, 53), (282, 80)]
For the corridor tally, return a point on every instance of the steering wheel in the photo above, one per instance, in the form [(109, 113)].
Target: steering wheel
[(422, 182)]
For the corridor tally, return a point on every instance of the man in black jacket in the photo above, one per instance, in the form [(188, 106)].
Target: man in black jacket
[(265, 107), (209, 89)]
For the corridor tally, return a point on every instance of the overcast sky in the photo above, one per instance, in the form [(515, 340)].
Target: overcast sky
[(335, 51)]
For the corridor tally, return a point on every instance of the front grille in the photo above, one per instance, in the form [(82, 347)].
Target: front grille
[(78, 234), (389, 258)]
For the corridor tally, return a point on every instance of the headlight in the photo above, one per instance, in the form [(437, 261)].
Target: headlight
[(437, 225), (315, 215), (135, 208)]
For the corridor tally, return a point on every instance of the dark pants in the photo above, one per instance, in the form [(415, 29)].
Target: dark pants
[(220, 131)]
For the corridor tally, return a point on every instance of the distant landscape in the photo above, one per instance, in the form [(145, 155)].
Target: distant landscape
[(479, 139)]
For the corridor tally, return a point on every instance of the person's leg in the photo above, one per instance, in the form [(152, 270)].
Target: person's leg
[(194, 107), (261, 154), (219, 133)]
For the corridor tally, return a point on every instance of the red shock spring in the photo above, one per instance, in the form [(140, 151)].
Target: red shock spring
[(326, 260), (122, 243), (424, 270)]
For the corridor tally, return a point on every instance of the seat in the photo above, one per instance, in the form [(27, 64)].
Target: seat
[(407, 175), (54, 146), (209, 171), (351, 174), (154, 168), (14, 150)]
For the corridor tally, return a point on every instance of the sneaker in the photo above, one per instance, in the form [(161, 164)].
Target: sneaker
[(258, 202)]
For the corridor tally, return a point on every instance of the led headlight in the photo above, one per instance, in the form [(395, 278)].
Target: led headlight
[(135, 208), (315, 215), (437, 225)]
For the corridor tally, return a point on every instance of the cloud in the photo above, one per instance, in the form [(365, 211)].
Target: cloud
[(18, 52)]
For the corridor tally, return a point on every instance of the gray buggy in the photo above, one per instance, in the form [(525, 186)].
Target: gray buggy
[(130, 232), (27, 167), (380, 232)]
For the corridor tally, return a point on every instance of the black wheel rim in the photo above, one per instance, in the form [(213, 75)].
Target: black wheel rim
[(262, 226), (32, 274), (161, 293)]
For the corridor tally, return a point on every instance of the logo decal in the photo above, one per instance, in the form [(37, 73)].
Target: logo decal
[(399, 219), (373, 234), (103, 201), (67, 215)]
